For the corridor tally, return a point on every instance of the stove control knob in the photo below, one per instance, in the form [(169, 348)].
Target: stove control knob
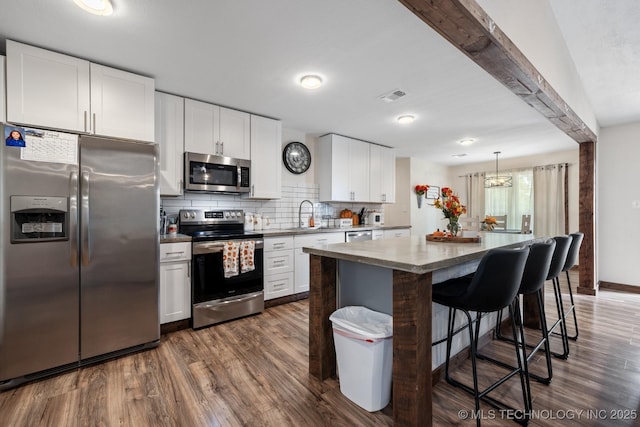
[(233, 214), (226, 214), (185, 215), (193, 215)]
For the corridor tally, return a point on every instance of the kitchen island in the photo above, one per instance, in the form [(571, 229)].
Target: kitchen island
[(411, 265)]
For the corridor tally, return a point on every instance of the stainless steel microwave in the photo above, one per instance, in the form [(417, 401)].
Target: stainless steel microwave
[(206, 172)]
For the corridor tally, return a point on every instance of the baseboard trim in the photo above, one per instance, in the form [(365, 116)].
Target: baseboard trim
[(632, 289), (285, 300)]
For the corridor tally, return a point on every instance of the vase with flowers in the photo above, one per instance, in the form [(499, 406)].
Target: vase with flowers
[(420, 191), (488, 223), (452, 208)]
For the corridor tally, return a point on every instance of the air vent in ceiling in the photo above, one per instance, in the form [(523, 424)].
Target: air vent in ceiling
[(393, 95)]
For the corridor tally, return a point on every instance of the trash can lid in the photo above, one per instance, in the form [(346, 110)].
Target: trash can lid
[(363, 321)]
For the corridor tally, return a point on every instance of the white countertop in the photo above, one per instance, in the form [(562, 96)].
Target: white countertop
[(416, 255)]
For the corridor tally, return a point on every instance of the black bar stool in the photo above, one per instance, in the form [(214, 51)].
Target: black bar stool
[(533, 278), (572, 259), (493, 287), (557, 263)]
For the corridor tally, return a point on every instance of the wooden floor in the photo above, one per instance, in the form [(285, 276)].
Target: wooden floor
[(254, 372)]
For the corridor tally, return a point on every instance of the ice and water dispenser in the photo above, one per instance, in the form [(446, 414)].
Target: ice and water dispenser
[(39, 218)]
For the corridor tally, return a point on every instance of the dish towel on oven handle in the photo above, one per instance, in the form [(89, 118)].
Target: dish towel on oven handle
[(247, 250), (230, 260)]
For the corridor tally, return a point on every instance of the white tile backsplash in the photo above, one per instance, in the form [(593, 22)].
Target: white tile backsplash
[(283, 213)]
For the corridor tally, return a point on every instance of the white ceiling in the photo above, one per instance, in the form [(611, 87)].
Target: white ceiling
[(247, 54)]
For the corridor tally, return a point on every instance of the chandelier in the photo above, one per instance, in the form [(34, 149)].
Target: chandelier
[(498, 180)]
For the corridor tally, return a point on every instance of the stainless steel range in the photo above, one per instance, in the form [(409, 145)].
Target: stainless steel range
[(218, 292)]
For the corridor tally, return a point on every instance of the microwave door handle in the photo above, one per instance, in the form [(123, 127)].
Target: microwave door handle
[(84, 220), (239, 182), (73, 219)]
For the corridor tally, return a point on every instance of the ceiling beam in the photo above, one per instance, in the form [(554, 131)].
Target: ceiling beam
[(468, 27)]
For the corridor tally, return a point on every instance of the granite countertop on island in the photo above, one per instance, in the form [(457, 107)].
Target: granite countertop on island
[(415, 254)]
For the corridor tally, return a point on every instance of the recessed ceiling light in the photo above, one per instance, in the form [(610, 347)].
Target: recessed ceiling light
[(97, 7), (467, 141), (311, 81), (459, 155), (406, 119)]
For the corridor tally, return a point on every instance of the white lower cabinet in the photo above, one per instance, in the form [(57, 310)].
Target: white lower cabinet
[(278, 267), (302, 259), (397, 232), (377, 234), (175, 281)]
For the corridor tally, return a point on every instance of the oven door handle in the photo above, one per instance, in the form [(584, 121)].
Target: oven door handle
[(201, 248)]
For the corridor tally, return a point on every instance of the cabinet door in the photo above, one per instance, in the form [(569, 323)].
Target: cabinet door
[(340, 169), (201, 127), (266, 172), (398, 232), (375, 174), (175, 292), (169, 124), (47, 89), (3, 116), (122, 104), (388, 175), (359, 170), (235, 137), (382, 174), (301, 280)]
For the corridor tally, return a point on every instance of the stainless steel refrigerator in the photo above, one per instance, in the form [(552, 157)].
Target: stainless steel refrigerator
[(79, 262)]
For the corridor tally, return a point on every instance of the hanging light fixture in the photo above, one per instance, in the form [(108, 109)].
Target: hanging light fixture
[(498, 180)]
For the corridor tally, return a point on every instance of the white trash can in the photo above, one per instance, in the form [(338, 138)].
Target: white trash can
[(364, 353)]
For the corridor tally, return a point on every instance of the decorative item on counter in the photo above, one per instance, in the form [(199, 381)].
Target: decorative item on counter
[(451, 208), (312, 222), (172, 229), (248, 221), (257, 222), (420, 190), (266, 222), (355, 218), (488, 223)]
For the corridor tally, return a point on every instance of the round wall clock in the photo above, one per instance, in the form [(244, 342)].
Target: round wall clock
[(296, 157)]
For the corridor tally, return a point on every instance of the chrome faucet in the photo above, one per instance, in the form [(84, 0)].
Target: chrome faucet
[(300, 212)]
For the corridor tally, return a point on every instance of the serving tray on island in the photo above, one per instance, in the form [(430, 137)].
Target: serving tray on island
[(432, 238)]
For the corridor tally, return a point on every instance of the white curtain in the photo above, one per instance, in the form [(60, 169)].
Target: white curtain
[(475, 194), (549, 187), (513, 201)]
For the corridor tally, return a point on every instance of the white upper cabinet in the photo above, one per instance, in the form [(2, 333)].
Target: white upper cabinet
[(122, 104), (211, 129), (344, 169), (3, 100), (169, 124), (382, 174), (266, 145), (201, 127), (235, 133), (51, 90), (47, 89)]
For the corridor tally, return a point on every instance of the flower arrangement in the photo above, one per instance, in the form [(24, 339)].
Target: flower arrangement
[(451, 207), (489, 222), (421, 189)]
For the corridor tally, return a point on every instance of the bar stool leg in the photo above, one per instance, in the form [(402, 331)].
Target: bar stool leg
[(572, 309), (560, 321)]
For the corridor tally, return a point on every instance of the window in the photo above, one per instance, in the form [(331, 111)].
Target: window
[(512, 201)]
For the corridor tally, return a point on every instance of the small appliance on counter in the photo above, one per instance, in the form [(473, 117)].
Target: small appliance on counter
[(375, 218)]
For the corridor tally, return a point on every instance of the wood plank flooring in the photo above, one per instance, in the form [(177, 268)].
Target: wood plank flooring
[(254, 372)]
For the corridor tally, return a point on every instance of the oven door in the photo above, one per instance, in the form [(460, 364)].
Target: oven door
[(217, 298)]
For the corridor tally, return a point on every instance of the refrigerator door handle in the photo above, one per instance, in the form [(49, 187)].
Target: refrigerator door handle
[(84, 220), (73, 219)]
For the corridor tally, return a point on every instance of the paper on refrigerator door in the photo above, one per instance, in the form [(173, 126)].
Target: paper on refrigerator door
[(50, 146)]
